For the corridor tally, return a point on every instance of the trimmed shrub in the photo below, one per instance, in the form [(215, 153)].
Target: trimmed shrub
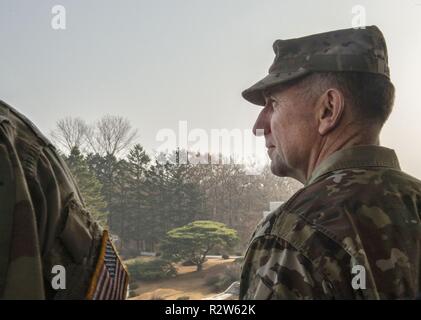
[(221, 282), (211, 280), (187, 263), (151, 270)]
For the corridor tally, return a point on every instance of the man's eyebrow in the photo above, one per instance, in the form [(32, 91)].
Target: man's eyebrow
[(269, 96)]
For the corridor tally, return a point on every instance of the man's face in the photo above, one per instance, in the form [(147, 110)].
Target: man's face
[(290, 131)]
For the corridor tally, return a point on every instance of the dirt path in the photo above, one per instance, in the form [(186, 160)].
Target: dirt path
[(188, 283)]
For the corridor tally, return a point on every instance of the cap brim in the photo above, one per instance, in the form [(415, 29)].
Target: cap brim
[(254, 94)]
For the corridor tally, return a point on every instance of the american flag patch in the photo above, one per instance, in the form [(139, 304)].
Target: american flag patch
[(110, 279)]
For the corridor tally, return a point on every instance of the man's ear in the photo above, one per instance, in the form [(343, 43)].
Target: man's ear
[(330, 108)]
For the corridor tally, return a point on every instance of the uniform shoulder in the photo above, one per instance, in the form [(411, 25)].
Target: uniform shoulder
[(352, 188), (265, 224), (403, 179), (339, 209)]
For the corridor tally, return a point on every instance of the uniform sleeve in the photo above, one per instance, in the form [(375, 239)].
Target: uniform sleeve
[(68, 234), (48, 225), (274, 269), (21, 275)]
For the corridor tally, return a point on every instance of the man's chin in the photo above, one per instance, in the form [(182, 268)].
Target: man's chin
[(283, 171), (278, 169)]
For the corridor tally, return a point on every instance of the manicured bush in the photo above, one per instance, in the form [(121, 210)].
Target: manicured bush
[(211, 280), (188, 263), (221, 282), (150, 270)]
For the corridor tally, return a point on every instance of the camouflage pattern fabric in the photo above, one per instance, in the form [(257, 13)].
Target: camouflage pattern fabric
[(357, 209), (43, 221), (361, 50)]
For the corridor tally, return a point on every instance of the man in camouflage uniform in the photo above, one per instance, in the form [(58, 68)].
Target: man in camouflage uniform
[(353, 231), (43, 223)]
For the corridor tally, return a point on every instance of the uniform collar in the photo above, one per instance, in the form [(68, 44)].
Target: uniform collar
[(356, 157)]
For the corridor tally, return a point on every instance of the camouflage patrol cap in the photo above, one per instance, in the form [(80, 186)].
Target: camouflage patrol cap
[(361, 50)]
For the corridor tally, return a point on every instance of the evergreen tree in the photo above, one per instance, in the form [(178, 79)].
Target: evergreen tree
[(105, 169), (181, 192), (89, 186), (140, 205), (120, 207)]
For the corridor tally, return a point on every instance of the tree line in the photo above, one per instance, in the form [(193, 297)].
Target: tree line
[(140, 198)]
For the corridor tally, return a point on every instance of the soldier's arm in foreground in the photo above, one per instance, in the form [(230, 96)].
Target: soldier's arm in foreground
[(43, 220)]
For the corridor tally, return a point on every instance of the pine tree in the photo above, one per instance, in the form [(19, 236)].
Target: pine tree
[(89, 186), (140, 206), (182, 194), (121, 202), (106, 171)]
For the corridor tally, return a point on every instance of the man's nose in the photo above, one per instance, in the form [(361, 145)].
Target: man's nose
[(262, 124)]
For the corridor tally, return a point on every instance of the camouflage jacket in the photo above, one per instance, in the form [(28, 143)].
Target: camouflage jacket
[(352, 232), (43, 221)]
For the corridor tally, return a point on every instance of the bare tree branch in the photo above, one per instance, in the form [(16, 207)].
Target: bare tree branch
[(70, 133), (111, 135)]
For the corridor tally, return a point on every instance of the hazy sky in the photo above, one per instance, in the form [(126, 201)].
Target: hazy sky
[(161, 62)]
